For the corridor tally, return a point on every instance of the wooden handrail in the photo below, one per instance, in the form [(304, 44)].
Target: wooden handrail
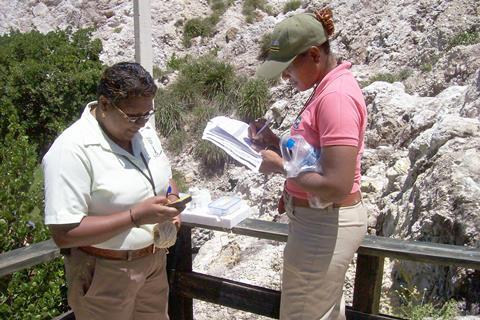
[(186, 285), (436, 253)]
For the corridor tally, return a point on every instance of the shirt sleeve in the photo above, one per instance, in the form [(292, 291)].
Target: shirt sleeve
[(67, 184), (339, 120)]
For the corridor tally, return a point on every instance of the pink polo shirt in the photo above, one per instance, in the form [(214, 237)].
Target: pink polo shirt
[(336, 116)]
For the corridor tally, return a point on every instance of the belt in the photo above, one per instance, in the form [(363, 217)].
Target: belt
[(350, 200), (119, 254)]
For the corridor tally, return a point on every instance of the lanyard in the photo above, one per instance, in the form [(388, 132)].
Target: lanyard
[(149, 177), (310, 98)]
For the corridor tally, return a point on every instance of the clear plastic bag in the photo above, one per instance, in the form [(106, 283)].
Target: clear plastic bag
[(298, 157)]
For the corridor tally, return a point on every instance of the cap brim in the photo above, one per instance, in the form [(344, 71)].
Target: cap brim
[(272, 69)]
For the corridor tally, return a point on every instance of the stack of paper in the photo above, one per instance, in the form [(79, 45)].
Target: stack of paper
[(232, 136)]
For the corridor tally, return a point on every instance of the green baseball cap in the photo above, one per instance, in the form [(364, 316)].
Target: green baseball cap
[(291, 37)]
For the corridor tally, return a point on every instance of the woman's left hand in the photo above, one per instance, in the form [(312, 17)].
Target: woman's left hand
[(271, 162)]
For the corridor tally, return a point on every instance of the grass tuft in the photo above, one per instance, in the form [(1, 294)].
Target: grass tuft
[(254, 98), (291, 5)]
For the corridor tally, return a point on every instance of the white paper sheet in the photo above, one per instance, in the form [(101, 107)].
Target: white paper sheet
[(232, 136)]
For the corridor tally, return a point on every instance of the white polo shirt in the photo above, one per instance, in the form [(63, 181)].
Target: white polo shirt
[(86, 173)]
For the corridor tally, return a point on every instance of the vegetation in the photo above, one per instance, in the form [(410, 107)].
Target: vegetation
[(249, 7), (46, 80), (205, 27), (212, 157), (254, 99), (179, 178), (205, 87), (413, 306), (465, 38), (388, 77), (292, 5)]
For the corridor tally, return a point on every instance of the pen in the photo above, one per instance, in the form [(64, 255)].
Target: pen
[(267, 123)]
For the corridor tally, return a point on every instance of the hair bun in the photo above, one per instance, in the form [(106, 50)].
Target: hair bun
[(325, 16)]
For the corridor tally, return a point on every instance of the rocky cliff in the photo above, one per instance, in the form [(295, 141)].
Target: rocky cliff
[(421, 167)]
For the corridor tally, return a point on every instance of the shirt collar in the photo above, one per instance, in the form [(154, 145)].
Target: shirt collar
[(94, 134)]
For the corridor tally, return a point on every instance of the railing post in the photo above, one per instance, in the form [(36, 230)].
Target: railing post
[(368, 284), (180, 259)]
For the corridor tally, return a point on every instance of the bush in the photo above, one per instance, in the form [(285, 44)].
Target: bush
[(205, 27), (254, 99), (46, 81), (291, 5), (49, 79), (206, 87), (249, 7), (169, 112), (196, 27), (180, 180), (207, 76), (413, 306), (464, 39), (388, 77), (211, 156), (176, 141)]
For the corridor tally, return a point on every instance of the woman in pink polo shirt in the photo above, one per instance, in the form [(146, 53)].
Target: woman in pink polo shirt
[(321, 242)]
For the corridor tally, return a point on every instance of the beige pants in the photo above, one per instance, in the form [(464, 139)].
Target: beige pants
[(121, 290), (321, 244)]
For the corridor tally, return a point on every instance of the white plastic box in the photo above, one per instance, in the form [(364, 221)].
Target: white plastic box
[(225, 213)]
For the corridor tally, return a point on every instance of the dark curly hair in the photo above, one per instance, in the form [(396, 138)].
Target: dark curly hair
[(125, 80)]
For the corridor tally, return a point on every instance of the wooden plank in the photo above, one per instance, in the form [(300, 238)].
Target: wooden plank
[(27, 257), (246, 297), (229, 293), (436, 253), (368, 284), (179, 259), (254, 228)]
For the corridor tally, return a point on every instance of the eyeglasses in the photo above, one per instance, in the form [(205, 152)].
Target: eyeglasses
[(135, 119)]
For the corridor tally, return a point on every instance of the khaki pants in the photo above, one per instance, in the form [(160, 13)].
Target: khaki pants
[(321, 244), (121, 290)]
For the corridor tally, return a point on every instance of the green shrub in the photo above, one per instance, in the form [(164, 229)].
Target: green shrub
[(49, 78), (206, 76), (388, 77), (464, 39), (265, 44), (254, 98), (413, 306), (46, 81), (196, 27), (211, 156), (175, 63), (176, 141), (249, 7), (201, 115), (169, 112), (205, 27), (292, 5), (180, 180)]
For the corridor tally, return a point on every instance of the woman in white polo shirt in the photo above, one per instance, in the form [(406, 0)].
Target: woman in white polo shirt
[(107, 181)]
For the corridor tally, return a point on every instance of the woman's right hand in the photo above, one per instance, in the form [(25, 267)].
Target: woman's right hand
[(264, 139), (153, 210)]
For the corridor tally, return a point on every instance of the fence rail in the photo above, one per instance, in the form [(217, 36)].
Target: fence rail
[(186, 285)]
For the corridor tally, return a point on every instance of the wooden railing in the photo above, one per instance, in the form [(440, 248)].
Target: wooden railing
[(186, 285)]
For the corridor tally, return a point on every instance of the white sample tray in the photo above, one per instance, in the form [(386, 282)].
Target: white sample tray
[(227, 221)]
